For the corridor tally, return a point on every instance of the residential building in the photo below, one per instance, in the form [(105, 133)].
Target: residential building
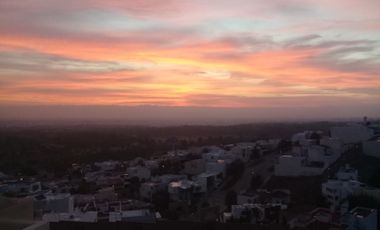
[(362, 218), (194, 167), (281, 196), (268, 145), (305, 137), (208, 181), (148, 189), (319, 218), (108, 180), (133, 216), (319, 153), (256, 213), (242, 151), (352, 134), (347, 173), (88, 217), (143, 173), (22, 188), (213, 156), (152, 164), (336, 191), (106, 194), (183, 190), (335, 144), (247, 198), (107, 165), (164, 180), (263, 196), (217, 167), (298, 165), (323, 218), (53, 203), (372, 147)]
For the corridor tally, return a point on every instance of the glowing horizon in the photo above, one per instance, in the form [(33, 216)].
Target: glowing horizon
[(233, 54)]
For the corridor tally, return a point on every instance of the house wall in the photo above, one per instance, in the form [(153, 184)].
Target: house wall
[(371, 148), (245, 199), (194, 167), (140, 172), (351, 134), (335, 144), (216, 167), (147, 190)]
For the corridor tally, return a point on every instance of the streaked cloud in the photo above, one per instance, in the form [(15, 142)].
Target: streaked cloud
[(241, 54)]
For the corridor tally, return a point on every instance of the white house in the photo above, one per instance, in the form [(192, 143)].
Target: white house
[(351, 134), (214, 153), (323, 218), (106, 194), (319, 153), (107, 165), (255, 213), (317, 216), (217, 167), (148, 189), (298, 165), (152, 164), (263, 196), (194, 167), (345, 184), (23, 188), (281, 196), (347, 173), (369, 191), (308, 157), (139, 172), (53, 203), (336, 191), (302, 136), (269, 144), (372, 148), (316, 153), (92, 176), (89, 217), (362, 218), (246, 198), (106, 181), (242, 151), (213, 156), (208, 181), (133, 216), (164, 180), (335, 144), (183, 190)]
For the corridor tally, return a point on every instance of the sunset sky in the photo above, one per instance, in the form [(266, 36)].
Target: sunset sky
[(238, 54)]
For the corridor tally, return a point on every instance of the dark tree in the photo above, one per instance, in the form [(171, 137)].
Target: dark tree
[(256, 181), (231, 198), (161, 200), (374, 179)]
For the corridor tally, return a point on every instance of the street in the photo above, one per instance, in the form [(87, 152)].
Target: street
[(216, 198)]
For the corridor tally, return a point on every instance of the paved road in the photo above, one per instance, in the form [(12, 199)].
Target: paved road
[(217, 197)]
